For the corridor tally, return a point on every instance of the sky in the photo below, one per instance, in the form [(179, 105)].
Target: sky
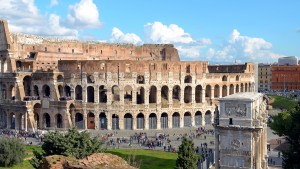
[(217, 31)]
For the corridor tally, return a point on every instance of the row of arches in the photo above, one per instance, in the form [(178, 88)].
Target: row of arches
[(176, 93)]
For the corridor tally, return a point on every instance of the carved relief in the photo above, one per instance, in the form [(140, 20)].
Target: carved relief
[(234, 109), (235, 144)]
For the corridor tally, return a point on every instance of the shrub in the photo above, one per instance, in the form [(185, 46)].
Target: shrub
[(11, 151)]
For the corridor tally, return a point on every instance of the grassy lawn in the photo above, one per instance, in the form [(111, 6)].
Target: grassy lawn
[(283, 102), (29, 154), (149, 159)]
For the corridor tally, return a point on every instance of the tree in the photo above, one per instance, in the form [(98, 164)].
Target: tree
[(11, 151), (288, 124), (187, 158)]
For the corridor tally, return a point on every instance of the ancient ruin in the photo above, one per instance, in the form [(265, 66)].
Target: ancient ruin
[(49, 83)]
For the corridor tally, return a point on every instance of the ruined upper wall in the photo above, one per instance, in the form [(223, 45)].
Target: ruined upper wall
[(245, 68), (4, 36)]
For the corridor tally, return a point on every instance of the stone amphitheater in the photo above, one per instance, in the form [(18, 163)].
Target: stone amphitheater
[(51, 83)]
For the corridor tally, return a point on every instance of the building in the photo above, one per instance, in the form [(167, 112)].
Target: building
[(241, 132), (264, 77), (286, 78), (53, 83), (288, 61)]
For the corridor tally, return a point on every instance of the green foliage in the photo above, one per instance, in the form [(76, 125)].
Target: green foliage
[(288, 124), (187, 158), (36, 159), (73, 143), (281, 102), (11, 151)]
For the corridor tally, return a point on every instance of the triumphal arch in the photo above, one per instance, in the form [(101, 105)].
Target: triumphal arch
[(49, 83)]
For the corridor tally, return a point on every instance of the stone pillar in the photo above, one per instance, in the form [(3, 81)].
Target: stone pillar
[(181, 119), (134, 93), (146, 96), (146, 121), (122, 96), (85, 119), (220, 91), (234, 89), (52, 121), (121, 122), (109, 121), (84, 94), (97, 120), (8, 125), (41, 121), (257, 151), (96, 94), (170, 95), (203, 96), (212, 93), (17, 121), (203, 119), (181, 95), (134, 120), (25, 120), (228, 89), (170, 121), (193, 118), (158, 96), (158, 124), (193, 94), (72, 93)]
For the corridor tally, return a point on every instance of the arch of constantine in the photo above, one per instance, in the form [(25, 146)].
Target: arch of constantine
[(53, 83)]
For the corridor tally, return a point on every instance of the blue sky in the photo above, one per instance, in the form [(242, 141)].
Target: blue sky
[(217, 31)]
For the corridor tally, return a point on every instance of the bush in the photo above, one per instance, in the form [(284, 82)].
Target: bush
[(11, 151), (187, 158)]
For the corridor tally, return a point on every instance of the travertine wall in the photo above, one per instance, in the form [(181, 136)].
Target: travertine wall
[(52, 83)]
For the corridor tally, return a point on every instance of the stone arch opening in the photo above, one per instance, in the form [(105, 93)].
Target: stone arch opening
[(164, 121), (176, 94), (140, 96), (46, 120), (103, 121), (217, 91), (60, 78), (102, 94), (231, 90), (67, 91), (3, 119), (115, 93), (246, 87), (91, 121), (198, 118), (59, 121), (36, 90), (153, 95), (208, 117), (237, 78), (78, 92), (165, 95), (237, 88), (115, 122), (224, 91), (250, 88), (176, 120), (140, 79), (188, 94), (60, 91), (18, 65), (128, 121), (3, 92), (198, 94), (152, 121), (242, 87), (90, 94), (46, 91), (12, 120), (36, 112), (140, 121), (187, 119), (224, 78), (188, 79), (27, 80), (128, 93), (208, 91), (79, 123)]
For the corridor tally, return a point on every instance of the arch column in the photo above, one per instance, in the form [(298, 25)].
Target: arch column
[(121, 120), (85, 119), (146, 96), (203, 119), (84, 94), (41, 120), (52, 121), (193, 119), (8, 125), (96, 94), (72, 90), (212, 92), (181, 120), (146, 124), (158, 124), (134, 93), (193, 94), (228, 90), (203, 95), (97, 120), (220, 91), (170, 119), (170, 95), (121, 96), (26, 120), (134, 121), (17, 120), (234, 88), (158, 96), (109, 120), (182, 95)]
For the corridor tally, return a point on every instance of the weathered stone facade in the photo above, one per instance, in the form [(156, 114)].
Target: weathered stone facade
[(51, 83), (241, 132)]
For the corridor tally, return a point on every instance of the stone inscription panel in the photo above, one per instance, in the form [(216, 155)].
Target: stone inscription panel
[(235, 109)]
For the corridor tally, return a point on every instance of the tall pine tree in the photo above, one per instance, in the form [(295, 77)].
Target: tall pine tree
[(187, 158)]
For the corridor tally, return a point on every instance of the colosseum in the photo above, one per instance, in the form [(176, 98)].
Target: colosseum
[(50, 83)]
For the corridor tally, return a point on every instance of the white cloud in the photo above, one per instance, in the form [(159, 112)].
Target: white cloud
[(53, 2), (117, 36), (84, 14), (243, 48)]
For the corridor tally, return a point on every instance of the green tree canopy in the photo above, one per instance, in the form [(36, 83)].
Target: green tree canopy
[(11, 151), (187, 158), (288, 124)]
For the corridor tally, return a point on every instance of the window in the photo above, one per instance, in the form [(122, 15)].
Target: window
[(72, 50), (230, 121), (58, 49)]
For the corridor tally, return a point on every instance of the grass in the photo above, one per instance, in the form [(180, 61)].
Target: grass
[(281, 102), (29, 154), (149, 159)]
